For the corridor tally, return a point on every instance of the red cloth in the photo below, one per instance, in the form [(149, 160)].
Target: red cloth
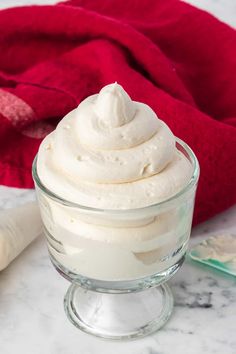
[(179, 60)]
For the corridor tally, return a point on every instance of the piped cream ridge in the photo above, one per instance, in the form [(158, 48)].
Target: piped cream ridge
[(112, 153)]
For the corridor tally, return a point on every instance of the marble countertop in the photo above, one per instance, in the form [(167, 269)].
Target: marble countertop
[(32, 319)]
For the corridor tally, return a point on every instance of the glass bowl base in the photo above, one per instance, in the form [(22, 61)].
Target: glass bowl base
[(119, 316)]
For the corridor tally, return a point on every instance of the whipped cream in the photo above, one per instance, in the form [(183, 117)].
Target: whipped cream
[(112, 153)]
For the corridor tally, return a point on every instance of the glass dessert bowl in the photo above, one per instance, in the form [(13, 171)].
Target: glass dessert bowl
[(116, 193), (118, 261)]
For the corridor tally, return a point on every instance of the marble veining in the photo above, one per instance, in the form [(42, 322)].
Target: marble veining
[(31, 308), (13, 197), (32, 319)]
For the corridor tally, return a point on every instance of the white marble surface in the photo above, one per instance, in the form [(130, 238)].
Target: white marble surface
[(31, 310), (32, 319)]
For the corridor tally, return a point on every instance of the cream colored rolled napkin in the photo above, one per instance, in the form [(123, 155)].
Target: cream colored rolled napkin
[(18, 228)]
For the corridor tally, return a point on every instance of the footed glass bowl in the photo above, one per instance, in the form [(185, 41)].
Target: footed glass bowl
[(118, 261)]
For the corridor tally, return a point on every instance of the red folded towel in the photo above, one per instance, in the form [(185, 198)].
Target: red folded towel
[(179, 60)]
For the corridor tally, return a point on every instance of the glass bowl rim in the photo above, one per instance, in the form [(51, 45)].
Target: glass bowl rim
[(192, 182)]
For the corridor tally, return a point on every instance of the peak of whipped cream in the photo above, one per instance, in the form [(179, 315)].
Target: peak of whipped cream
[(113, 106), (112, 152)]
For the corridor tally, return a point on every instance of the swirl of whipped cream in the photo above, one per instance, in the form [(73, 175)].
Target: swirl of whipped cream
[(112, 152)]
